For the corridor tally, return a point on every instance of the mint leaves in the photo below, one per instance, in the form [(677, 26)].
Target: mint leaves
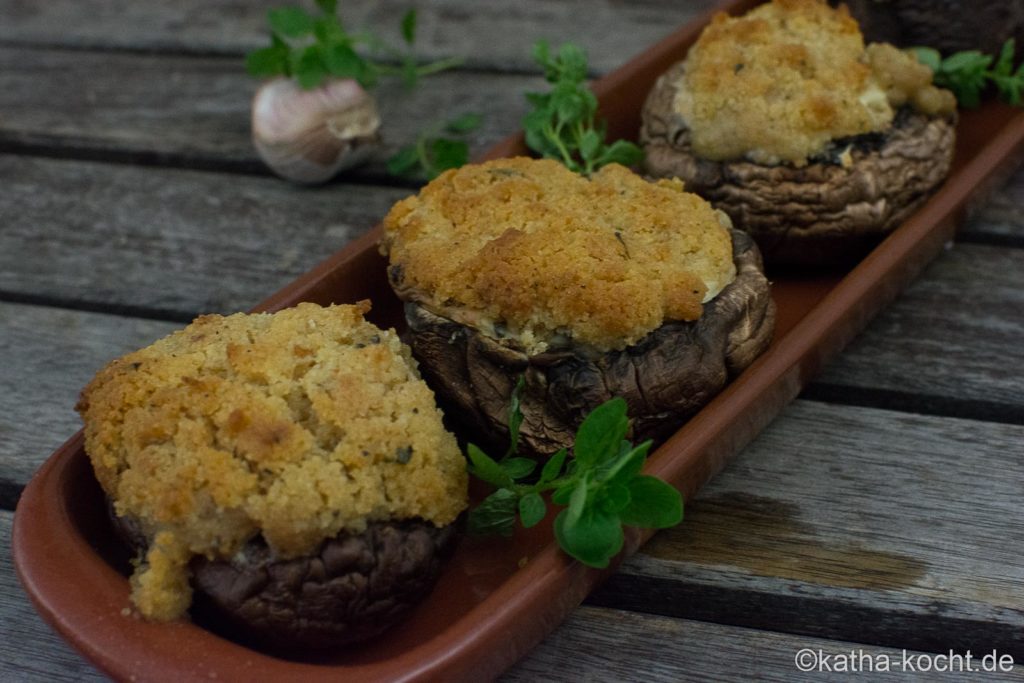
[(311, 48), (562, 124), (967, 73), (434, 153), (600, 487)]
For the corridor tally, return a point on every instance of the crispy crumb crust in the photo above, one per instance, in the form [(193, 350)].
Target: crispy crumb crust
[(525, 248), (777, 84), (297, 425)]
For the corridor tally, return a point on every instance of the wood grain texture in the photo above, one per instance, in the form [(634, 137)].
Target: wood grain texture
[(593, 644), (488, 35), (1000, 215), (102, 105), (178, 243), (836, 517), (50, 354), (609, 645), (175, 243), (955, 332), (851, 523), (194, 112), (29, 649)]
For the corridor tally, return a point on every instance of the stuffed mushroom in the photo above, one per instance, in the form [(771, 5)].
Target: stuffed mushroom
[(290, 470), (813, 143), (588, 288)]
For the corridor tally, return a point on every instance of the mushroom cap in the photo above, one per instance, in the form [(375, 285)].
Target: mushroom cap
[(350, 588), (665, 377), (828, 212)]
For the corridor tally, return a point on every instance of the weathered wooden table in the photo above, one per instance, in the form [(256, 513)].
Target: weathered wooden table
[(880, 512)]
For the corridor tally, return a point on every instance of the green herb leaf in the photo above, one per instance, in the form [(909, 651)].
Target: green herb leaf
[(484, 467), (562, 124), (563, 494), (968, 73), (614, 499), (590, 144), (342, 61), (329, 32), (292, 22), (431, 156), (553, 467), (601, 487), (621, 152), (532, 509), (465, 124), (593, 539), (403, 161), (928, 56), (448, 154), (409, 27), (578, 500), (1004, 65), (495, 515), (328, 6), (337, 47), (601, 432), (628, 465), (518, 468), (308, 67), (270, 61), (653, 504)]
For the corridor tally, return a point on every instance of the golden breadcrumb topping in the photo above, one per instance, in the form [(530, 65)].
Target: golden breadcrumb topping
[(779, 83), (525, 248), (297, 425)]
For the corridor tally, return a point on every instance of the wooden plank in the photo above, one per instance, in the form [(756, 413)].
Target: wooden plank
[(29, 649), (610, 645), (851, 523), (49, 355), (174, 243), (1000, 215), (836, 521), (953, 333), (105, 106), (488, 35), (177, 243), (593, 644)]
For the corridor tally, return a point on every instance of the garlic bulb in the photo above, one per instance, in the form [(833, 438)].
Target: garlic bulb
[(308, 136)]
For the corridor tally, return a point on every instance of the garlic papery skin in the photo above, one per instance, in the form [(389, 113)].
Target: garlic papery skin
[(308, 136)]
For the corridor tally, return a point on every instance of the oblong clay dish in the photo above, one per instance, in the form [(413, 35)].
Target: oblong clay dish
[(497, 598)]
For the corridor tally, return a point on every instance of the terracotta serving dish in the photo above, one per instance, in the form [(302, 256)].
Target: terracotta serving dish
[(497, 598)]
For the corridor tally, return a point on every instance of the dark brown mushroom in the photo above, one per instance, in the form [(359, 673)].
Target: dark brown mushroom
[(946, 25), (829, 212), (350, 589), (664, 378)]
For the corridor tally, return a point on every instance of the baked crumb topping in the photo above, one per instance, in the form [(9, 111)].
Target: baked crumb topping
[(527, 249), (298, 425), (779, 83)]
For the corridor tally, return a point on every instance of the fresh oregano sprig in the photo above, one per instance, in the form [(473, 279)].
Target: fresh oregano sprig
[(600, 487), (967, 73), (434, 153), (563, 122), (312, 47)]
